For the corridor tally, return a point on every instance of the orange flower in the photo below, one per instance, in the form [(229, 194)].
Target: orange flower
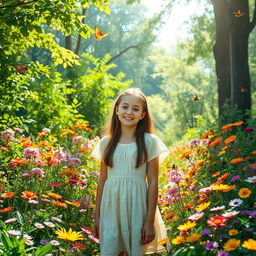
[(76, 204), (18, 161), (185, 155), (227, 127), (7, 209), (213, 163), (28, 195), (172, 219), (206, 135), (54, 195), (168, 215), (244, 192), (215, 142), (187, 206), (216, 174), (238, 123), (4, 148), (68, 172), (236, 160), (59, 204), (7, 195), (224, 176), (254, 152), (26, 142), (79, 245), (230, 139)]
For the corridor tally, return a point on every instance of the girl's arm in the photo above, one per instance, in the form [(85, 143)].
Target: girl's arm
[(148, 232), (102, 179)]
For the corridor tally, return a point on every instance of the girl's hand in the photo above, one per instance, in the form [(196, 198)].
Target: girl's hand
[(147, 233), (95, 228)]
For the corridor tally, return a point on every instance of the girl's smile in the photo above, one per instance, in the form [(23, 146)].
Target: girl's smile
[(130, 110)]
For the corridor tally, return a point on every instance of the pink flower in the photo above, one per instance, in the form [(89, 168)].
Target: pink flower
[(46, 130), (18, 130), (8, 135), (249, 129), (78, 139), (38, 171), (73, 180), (25, 175), (55, 184), (32, 201), (31, 152)]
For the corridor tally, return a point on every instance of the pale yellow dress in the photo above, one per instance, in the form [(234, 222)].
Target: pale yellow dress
[(123, 206)]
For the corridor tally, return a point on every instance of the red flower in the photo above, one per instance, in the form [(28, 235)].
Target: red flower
[(217, 221), (249, 129)]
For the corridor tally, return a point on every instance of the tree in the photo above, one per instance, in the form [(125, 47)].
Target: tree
[(233, 27)]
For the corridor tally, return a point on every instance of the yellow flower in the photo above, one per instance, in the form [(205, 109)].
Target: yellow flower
[(193, 237), (250, 244), (202, 207), (231, 244), (244, 192), (188, 225), (233, 232), (178, 240), (164, 241), (223, 187), (69, 236)]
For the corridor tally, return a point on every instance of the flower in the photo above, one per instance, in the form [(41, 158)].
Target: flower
[(230, 139), (244, 192), (7, 195), (193, 237), (230, 214), (233, 232), (218, 208), (7, 209), (69, 235), (14, 232), (248, 129), (206, 232), (251, 179), (223, 188), (250, 244), (39, 225), (54, 242), (196, 216), (56, 219), (217, 221), (215, 142), (43, 242), (31, 201), (8, 135), (31, 152), (38, 172), (221, 253), (178, 240), (49, 224), (10, 220), (59, 204), (211, 245), (236, 160), (202, 207), (46, 130), (28, 195), (186, 226), (231, 244), (235, 178), (235, 202), (29, 242)]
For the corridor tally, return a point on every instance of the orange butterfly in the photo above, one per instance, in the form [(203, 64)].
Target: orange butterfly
[(21, 68), (98, 33), (239, 14)]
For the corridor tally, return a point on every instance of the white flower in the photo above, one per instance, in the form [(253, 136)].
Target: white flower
[(251, 179), (56, 219), (230, 214), (13, 232), (218, 208), (10, 220), (196, 216), (236, 202), (49, 224), (39, 225), (54, 242), (29, 242)]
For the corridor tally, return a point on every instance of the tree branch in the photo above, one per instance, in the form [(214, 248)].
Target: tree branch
[(18, 4), (125, 50), (253, 22)]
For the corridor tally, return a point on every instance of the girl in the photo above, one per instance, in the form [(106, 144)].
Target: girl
[(127, 219)]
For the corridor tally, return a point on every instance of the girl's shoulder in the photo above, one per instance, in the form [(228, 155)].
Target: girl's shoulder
[(150, 137)]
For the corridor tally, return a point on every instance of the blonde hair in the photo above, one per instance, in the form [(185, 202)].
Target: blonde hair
[(113, 129)]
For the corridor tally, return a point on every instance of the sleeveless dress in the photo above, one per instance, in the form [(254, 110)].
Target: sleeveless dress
[(123, 206)]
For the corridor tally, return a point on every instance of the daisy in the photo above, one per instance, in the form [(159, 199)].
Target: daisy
[(10, 220), (39, 225), (49, 224), (29, 242), (218, 208), (230, 214), (32, 201), (54, 242), (13, 232), (236, 202), (251, 179), (43, 242), (56, 219), (196, 216)]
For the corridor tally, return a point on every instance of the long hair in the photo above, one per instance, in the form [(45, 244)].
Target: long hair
[(113, 129)]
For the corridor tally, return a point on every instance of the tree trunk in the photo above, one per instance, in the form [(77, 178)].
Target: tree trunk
[(240, 75), (222, 53)]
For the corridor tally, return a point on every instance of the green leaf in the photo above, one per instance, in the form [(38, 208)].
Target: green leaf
[(75, 101), (41, 251), (20, 218)]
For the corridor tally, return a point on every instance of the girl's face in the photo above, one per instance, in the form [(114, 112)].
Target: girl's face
[(130, 110)]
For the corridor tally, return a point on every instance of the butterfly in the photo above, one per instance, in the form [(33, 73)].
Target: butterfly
[(195, 98), (239, 14), (98, 33), (21, 68), (243, 90)]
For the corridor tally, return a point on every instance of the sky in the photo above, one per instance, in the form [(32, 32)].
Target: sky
[(175, 28)]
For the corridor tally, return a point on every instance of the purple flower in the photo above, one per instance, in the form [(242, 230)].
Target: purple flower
[(25, 175), (235, 178), (235, 221), (211, 245), (222, 253), (252, 214), (44, 242), (8, 135), (223, 236), (38, 171), (73, 180), (31, 152), (194, 143), (249, 230), (206, 232)]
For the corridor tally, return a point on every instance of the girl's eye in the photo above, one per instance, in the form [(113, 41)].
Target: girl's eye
[(124, 107), (136, 109)]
